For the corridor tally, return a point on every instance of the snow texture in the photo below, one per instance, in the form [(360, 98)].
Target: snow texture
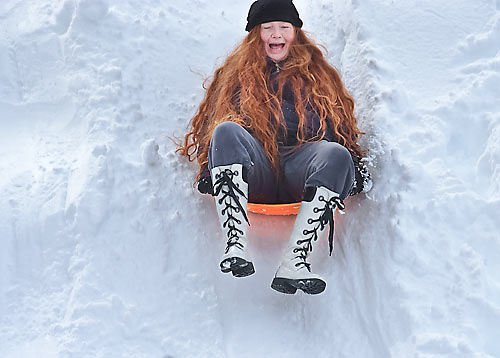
[(107, 250)]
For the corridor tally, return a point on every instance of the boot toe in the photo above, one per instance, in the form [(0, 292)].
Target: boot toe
[(238, 266), (311, 286), (244, 271)]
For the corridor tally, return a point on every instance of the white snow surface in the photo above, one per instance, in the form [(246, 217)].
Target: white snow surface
[(107, 249)]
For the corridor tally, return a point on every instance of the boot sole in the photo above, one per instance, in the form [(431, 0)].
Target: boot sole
[(237, 266), (290, 286)]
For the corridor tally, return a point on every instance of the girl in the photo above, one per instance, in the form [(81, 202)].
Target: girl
[(276, 126)]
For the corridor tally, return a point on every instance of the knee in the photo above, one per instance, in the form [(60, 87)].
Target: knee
[(226, 130), (336, 167), (336, 155)]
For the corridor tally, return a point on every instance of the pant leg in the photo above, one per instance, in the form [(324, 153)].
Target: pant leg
[(232, 144), (323, 163)]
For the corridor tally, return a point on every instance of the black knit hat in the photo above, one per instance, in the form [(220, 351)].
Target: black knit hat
[(263, 11)]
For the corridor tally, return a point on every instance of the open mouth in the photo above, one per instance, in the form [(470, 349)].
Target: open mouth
[(277, 46)]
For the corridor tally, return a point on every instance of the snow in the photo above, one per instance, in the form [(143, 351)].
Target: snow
[(106, 249)]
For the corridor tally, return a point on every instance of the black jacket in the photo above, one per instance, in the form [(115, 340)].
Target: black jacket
[(312, 125)]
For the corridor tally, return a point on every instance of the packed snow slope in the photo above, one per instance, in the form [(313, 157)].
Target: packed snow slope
[(107, 250)]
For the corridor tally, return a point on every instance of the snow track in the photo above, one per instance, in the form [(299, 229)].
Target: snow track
[(106, 249)]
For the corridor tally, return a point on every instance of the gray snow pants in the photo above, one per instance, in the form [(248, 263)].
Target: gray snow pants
[(322, 163)]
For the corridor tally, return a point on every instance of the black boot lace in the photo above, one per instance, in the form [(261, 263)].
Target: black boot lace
[(224, 183), (325, 217)]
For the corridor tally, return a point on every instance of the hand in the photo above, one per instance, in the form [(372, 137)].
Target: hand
[(205, 185), (362, 179)]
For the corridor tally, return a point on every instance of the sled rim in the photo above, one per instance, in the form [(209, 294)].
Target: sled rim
[(274, 209)]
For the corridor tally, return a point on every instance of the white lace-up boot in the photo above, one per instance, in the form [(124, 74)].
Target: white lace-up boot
[(231, 198), (316, 211)]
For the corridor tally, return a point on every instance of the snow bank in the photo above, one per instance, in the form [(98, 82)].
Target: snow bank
[(107, 250)]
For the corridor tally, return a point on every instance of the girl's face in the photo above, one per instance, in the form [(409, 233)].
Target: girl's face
[(277, 37)]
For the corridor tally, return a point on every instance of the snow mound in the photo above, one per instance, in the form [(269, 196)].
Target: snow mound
[(107, 249)]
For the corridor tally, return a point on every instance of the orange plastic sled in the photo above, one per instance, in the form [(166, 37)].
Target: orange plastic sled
[(274, 209)]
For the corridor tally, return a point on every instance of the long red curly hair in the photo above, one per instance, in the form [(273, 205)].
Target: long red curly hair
[(240, 91)]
